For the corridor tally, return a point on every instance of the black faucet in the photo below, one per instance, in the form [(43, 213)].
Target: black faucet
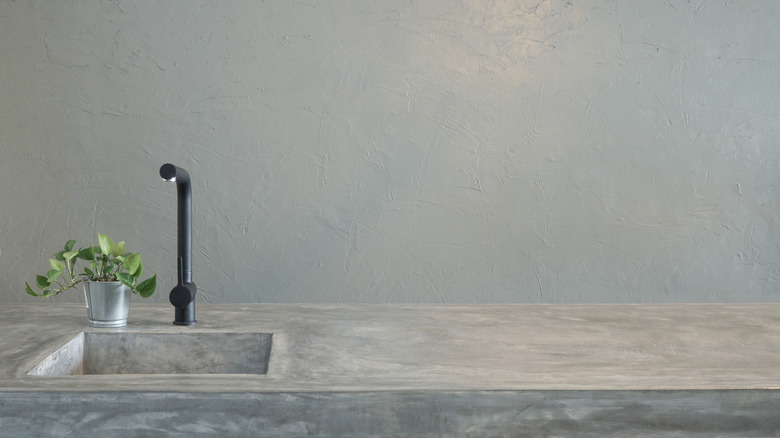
[(183, 295)]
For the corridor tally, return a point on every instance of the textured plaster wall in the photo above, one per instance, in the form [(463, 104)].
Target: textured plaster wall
[(401, 151)]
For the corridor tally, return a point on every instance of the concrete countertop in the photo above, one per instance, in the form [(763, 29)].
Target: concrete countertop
[(341, 347)]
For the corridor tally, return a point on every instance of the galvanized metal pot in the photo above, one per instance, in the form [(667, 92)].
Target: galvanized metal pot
[(108, 303)]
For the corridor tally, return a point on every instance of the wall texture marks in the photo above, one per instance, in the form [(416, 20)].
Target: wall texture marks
[(401, 151)]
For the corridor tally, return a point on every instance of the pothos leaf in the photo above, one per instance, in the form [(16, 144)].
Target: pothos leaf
[(52, 275), (56, 264), (119, 249), (30, 290), (42, 281), (126, 279), (87, 253), (106, 244), (146, 288), (132, 263)]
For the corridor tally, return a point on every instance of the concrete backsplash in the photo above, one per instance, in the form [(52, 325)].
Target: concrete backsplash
[(400, 151)]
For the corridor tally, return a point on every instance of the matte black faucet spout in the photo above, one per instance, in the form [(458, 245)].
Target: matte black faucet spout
[(183, 295)]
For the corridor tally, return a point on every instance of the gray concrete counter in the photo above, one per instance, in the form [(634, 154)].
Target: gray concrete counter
[(424, 370)]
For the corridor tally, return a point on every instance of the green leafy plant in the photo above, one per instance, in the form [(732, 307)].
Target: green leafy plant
[(108, 261)]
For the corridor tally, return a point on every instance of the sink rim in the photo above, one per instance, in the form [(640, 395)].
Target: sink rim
[(69, 358)]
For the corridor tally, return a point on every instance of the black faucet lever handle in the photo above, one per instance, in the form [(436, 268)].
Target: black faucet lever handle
[(183, 293), (181, 271)]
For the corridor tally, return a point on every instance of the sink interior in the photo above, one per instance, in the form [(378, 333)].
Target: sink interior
[(159, 353)]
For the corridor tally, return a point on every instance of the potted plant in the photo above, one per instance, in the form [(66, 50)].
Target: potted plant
[(112, 274)]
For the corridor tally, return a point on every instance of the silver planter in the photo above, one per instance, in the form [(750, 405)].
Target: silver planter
[(108, 303)]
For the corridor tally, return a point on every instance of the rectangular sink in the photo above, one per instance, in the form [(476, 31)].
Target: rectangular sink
[(159, 353)]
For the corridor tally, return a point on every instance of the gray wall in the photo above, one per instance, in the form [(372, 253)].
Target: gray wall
[(401, 151)]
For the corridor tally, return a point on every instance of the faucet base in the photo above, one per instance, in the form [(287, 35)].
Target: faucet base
[(185, 315)]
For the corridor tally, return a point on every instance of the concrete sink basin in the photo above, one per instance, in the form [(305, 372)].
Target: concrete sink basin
[(92, 353)]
